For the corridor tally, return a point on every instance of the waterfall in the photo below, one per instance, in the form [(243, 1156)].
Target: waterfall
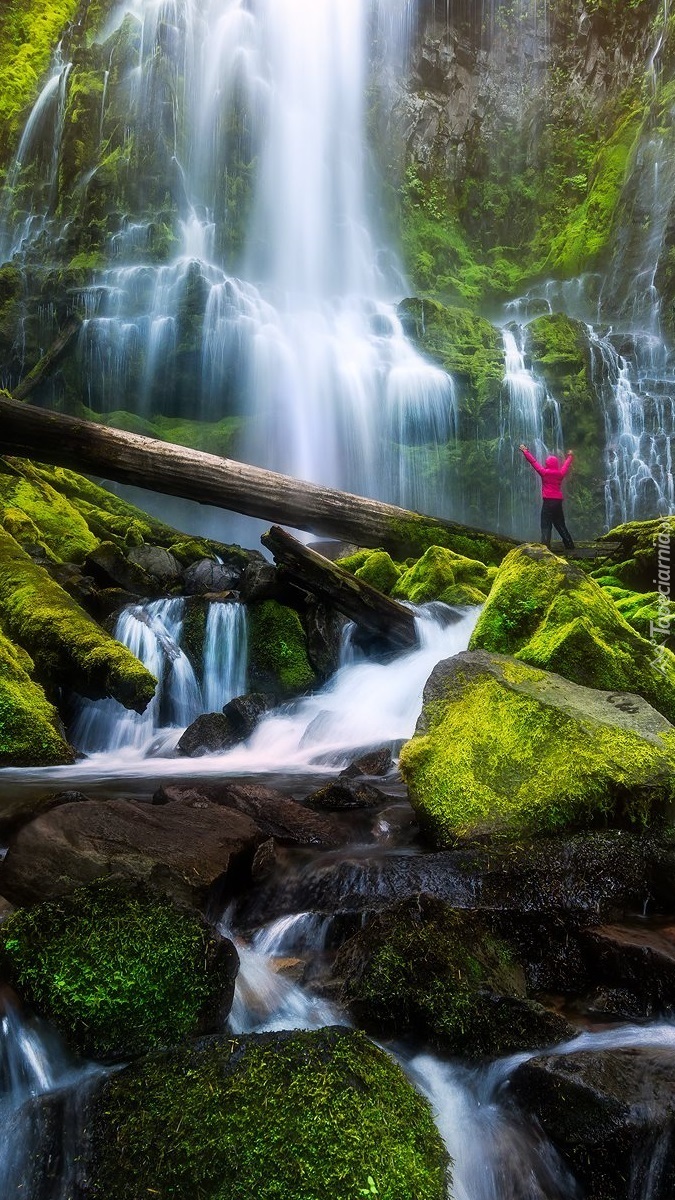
[(225, 655), (279, 302), (154, 633)]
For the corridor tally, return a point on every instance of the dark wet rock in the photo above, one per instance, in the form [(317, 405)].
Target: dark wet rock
[(259, 581), (211, 733), (6, 909), (375, 762), (264, 861), (323, 627), (613, 1004), (344, 794), (244, 712), (110, 567), (74, 581), (610, 1113), (275, 814), (157, 562), (190, 850), (638, 958), (110, 602), (210, 576), (425, 969), (16, 808)]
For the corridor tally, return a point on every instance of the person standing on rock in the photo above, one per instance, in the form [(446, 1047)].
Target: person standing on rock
[(552, 475)]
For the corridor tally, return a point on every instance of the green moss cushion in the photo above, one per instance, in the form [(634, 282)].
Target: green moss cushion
[(548, 613), (297, 1116), (119, 971), (507, 750), (30, 730), (278, 649)]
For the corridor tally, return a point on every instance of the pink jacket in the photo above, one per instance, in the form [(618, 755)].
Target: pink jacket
[(552, 474)]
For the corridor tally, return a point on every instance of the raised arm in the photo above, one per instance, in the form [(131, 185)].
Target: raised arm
[(567, 463), (532, 460)]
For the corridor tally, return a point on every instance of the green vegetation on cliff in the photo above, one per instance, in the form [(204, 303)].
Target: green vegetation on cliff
[(29, 33), (118, 972), (276, 1117)]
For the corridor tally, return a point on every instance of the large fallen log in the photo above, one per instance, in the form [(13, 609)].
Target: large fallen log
[(95, 449), (369, 609)]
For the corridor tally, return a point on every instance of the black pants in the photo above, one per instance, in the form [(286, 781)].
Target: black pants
[(552, 514)]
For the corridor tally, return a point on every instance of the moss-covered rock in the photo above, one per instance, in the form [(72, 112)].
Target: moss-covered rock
[(30, 730), (424, 969), (278, 659), (61, 530), (67, 646), (548, 613), (441, 574), (504, 749), (118, 971), (379, 570), (643, 548), (278, 1116), (28, 34), (412, 535)]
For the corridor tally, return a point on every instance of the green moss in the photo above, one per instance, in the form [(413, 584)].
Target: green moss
[(507, 750), (278, 649), (278, 1117), (354, 562), (550, 614), (424, 969), (640, 544), (30, 731), (586, 237), (411, 536), (69, 649), (464, 344), (61, 527), (379, 570), (441, 574), (191, 550), (28, 34), (118, 972)]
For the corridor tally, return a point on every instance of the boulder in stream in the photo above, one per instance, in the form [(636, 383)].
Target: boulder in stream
[(275, 814), (188, 850), (505, 749), (610, 1112), (267, 1116), (423, 969), (119, 970), (210, 733), (550, 614)]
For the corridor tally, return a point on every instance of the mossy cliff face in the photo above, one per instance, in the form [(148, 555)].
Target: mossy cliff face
[(119, 973), (278, 1116), (423, 969), (511, 171), (28, 34), (505, 750), (548, 613)]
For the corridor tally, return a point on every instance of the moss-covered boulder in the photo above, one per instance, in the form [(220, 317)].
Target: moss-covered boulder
[(379, 570), (637, 551), (441, 574), (49, 518), (278, 658), (424, 969), (119, 971), (548, 613), (277, 1116), (30, 730), (504, 749), (67, 646)]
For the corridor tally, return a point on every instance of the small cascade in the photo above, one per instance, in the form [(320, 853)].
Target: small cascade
[(152, 632), (225, 655), (34, 1066), (638, 397), (530, 415)]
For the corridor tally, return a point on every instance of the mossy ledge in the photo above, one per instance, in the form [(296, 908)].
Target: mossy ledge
[(30, 730), (67, 646), (274, 1116), (119, 971)]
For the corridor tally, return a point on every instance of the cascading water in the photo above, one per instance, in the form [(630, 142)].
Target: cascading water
[(154, 632), (529, 415)]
